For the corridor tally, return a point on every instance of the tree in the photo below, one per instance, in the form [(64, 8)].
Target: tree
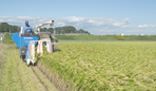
[(5, 27), (69, 29), (81, 31), (44, 29), (51, 30), (87, 32), (58, 30)]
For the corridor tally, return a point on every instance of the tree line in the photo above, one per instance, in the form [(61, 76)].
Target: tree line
[(63, 30), (5, 27)]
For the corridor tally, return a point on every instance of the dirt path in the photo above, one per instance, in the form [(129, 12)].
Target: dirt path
[(18, 77)]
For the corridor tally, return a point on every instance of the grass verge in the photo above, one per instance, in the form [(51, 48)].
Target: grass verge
[(3, 55), (3, 51), (7, 39)]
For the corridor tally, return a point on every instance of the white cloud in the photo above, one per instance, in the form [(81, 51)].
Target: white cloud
[(116, 24), (133, 31), (73, 21), (146, 26), (93, 22), (61, 23), (93, 25)]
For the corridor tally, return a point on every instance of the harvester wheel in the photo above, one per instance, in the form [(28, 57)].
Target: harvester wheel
[(23, 57)]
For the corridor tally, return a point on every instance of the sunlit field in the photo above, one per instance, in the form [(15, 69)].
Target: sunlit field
[(105, 65)]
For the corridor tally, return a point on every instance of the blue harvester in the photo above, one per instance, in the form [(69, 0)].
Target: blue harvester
[(29, 43)]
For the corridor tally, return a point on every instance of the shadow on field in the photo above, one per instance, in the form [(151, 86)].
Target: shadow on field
[(37, 62), (57, 50)]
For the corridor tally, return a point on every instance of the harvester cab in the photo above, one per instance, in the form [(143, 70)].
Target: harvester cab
[(29, 43)]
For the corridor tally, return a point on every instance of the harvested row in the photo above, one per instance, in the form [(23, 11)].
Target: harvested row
[(16, 76), (104, 66)]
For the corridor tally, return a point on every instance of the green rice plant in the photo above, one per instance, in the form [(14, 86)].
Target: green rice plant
[(98, 66)]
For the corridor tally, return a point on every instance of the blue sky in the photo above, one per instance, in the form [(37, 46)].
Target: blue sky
[(99, 17)]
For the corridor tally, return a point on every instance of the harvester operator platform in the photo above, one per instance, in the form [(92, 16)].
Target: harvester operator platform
[(27, 29)]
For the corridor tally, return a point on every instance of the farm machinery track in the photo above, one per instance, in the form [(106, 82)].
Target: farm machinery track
[(17, 76)]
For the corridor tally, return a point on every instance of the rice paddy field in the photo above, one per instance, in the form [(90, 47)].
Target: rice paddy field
[(100, 66), (82, 66)]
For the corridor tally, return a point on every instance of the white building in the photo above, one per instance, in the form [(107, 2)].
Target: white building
[(122, 34)]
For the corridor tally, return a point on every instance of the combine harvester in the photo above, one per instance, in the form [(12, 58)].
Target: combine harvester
[(27, 43)]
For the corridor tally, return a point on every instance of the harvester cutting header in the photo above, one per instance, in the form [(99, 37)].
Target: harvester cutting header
[(30, 38)]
